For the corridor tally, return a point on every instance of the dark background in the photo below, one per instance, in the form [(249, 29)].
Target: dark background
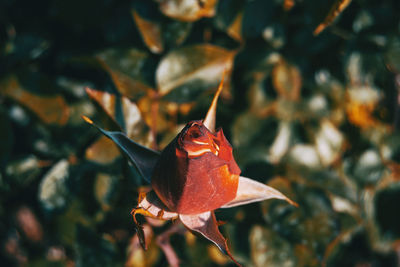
[(315, 116)]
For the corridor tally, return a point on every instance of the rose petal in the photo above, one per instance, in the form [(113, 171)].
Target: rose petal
[(209, 120), (206, 224), (252, 191), (150, 205)]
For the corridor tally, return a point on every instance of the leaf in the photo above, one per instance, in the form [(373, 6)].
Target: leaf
[(150, 32), (287, 80), (369, 167), (128, 70), (137, 257), (49, 109), (175, 32), (305, 155), (235, 29), (143, 158), (206, 224), (53, 189), (158, 32), (281, 143), (188, 10), (24, 170), (335, 11), (186, 72), (125, 114), (361, 103), (250, 191), (105, 190), (103, 151), (328, 142), (269, 249)]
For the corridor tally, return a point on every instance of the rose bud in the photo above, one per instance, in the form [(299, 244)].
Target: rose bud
[(196, 172)]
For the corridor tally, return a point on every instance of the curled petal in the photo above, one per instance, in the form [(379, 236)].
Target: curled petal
[(150, 205), (250, 191), (206, 224)]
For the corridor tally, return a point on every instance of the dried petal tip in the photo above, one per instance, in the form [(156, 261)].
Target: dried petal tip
[(209, 120), (149, 205)]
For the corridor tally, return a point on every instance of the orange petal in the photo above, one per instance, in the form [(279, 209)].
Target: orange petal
[(250, 191), (206, 224)]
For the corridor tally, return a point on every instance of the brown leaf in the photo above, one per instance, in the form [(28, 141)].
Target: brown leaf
[(250, 191), (335, 11), (188, 10), (206, 224), (287, 81), (103, 151), (150, 32), (197, 66), (49, 109)]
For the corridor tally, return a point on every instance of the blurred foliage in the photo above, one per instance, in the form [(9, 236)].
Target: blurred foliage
[(311, 107)]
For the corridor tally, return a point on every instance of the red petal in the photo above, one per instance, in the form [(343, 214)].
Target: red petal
[(206, 224), (252, 191)]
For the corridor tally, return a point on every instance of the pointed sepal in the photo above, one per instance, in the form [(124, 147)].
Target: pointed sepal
[(209, 120), (250, 191), (206, 224), (143, 158)]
